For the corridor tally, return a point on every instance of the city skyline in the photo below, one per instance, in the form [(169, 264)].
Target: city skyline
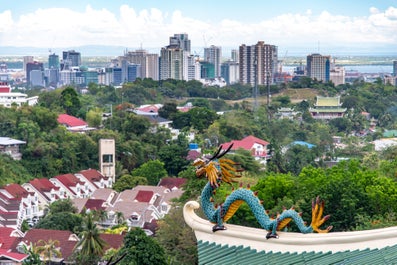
[(297, 28)]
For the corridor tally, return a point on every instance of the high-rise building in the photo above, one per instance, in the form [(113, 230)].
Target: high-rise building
[(26, 60), (194, 68), (173, 63), (117, 76), (69, 59), (230, 72), (53, 61), (36, 78), (213, 55), (207, 70), (181, 40), (30, 66), (174, 58), (52, 77), (395, 68), (149, 63), (318, 67), (337, 75), (133, 72), (257, 63), (234, 54)]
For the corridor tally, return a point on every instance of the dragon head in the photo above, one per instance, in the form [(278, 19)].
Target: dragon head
[(216, 168)]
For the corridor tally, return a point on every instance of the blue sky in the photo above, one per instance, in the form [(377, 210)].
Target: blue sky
[(294, 26)]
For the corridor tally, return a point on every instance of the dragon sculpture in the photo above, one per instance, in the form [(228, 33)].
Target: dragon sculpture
[(220, 170)]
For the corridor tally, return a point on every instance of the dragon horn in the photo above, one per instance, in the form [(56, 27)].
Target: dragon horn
[(216, 153), (225, 152)]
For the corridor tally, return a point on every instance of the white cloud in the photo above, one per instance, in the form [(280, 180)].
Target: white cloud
[(61, 27)]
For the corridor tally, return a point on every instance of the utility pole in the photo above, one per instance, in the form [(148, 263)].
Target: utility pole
[(268, 94), (255, 108)]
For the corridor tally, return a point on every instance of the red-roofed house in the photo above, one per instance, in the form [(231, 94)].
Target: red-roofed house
[(142, 205), (10, 214), (256, 146), (172, 183), (46, 191), (148, 109), (72, 123), (74, 187), (9, 238), (114, 241), (95, 204), (94, 177), (5, 87), (29, 203), (145, 196), (67, 240)]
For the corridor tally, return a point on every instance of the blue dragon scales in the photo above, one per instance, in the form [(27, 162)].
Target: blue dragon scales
[(219, 170)]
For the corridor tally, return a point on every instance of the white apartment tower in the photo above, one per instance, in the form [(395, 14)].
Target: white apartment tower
[(174, 58)]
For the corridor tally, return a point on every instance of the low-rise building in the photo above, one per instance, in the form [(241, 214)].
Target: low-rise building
[(10, 147), (256, 146), (327, 108)]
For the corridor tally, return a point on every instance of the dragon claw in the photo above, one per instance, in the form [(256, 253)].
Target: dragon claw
[(317, 216), (218, 227), (271, 235)]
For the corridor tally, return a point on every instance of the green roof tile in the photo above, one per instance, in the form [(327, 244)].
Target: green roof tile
[(215, 254)]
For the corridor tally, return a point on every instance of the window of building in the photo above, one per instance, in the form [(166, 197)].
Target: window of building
[(107, 158)]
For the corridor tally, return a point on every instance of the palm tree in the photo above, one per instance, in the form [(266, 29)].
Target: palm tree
[(33, 257), (91, 246), (48, 250)]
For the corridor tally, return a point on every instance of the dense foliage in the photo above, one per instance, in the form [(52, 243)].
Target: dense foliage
[(359, 194)]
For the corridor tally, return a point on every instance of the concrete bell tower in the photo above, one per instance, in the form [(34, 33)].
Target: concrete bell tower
[(107, 158)]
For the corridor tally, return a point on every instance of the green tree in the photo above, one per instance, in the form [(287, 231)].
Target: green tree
[(177, 238), (33, 257), (126, 182), (61, 221), (90, 248), (141, 249), (94, 117), (152, 170), (70, 101), (174, 157), (168, 110), (61, 206)]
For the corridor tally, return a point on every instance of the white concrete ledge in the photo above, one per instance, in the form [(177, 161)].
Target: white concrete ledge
[(288, 242)]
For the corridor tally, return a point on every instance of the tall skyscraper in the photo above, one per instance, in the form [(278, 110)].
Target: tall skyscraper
[(69, 59), (133, 72), (181, 40), (234, 54), (26, 60), (173, 63), (30, 66), (213, 55), (395, 68), (230, 72), (149, 63), (174, 58), (257, 63), (53, 61), (318, 67)]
